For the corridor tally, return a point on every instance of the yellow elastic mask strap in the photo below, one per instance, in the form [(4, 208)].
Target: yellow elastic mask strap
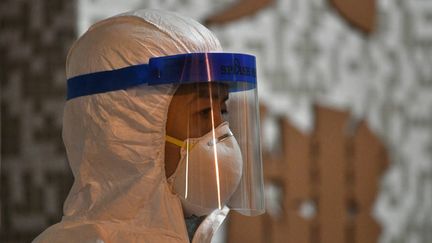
[(174, 141), (177, 142)]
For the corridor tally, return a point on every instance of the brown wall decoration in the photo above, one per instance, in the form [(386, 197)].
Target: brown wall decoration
[(359, 13), (327, 182), (238, 10)]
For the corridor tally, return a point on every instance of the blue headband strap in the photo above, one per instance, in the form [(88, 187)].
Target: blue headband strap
[(238, 70)]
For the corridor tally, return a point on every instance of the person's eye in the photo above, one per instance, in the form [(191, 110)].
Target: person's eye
[(205, 112)]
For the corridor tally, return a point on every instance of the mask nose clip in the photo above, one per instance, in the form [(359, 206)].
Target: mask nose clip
[(220, 139)]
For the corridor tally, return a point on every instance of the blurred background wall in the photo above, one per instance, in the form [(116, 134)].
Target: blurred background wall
[(319, 63), (35, 177)]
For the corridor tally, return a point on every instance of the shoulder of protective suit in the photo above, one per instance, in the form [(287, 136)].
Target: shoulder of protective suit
[(96, 233)]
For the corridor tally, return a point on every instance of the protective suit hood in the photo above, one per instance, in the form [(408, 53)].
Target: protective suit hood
[(115, 140)]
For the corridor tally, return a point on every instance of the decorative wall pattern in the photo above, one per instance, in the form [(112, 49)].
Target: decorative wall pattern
[(320, 187), (35, 177)]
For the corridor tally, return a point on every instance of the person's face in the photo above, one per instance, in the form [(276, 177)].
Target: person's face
[(195, 110)]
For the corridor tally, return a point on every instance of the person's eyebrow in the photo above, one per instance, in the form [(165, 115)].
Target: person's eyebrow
[(215, 96), (203, 92)]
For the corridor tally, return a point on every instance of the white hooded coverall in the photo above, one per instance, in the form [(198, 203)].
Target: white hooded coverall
[(115, 141)]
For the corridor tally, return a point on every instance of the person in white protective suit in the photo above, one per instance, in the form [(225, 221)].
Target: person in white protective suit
[(161, 132)]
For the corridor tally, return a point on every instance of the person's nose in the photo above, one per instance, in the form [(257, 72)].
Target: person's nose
[(218, 116)]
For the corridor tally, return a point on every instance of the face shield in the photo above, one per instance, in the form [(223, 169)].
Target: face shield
[(213, 120)]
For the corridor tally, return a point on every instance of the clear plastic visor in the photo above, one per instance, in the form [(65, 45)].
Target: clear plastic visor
[(213, 153)]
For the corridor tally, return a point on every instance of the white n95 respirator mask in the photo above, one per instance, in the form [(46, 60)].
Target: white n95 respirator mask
[(209, 170)]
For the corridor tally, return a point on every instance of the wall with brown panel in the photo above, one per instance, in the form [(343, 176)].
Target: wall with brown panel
[(328, 181)]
